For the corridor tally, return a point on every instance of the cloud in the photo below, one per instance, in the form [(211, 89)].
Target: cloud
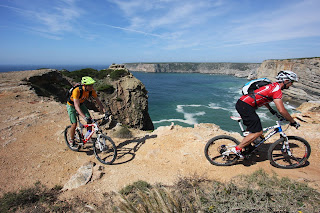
[(174, 21), (51, 21), (294, 21), (131, 30)]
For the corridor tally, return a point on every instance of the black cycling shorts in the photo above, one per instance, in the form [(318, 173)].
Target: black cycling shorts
[(249, 117)]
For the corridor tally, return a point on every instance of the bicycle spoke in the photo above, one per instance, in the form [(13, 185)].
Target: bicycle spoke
[(297, 154), (77, 140), (105, 150), (217, 151)]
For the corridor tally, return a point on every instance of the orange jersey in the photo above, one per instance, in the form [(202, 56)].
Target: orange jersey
[(85, 95)]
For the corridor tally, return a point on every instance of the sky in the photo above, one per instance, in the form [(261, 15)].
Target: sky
[(123, 31)]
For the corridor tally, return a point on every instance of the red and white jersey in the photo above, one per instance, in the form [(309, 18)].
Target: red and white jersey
[(268, 93)]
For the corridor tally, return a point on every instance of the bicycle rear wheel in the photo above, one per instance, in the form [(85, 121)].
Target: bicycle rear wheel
[(218, 145), (77, 139), (279, 156), (105, 150)]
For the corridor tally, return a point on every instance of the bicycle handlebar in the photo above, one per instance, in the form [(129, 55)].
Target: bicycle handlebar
[(106, 118)]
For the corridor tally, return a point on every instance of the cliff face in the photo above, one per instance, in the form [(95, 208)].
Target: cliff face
[(128, 103), (308, 71), (237, 69)]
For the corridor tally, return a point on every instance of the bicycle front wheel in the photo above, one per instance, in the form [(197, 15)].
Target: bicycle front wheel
[(105, 150), (218, 145), (77, 139), (294, 156)]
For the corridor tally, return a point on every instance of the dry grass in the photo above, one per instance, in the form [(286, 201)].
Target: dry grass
[(258, 192)]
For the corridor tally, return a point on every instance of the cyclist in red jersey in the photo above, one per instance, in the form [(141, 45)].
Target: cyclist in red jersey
[(247, 105)]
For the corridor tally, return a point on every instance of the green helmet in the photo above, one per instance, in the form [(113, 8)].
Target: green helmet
[(87, 80)]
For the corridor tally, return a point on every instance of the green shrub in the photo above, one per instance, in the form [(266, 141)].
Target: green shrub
[(116, 74), (122, 132), (105, 88), (43, 198), (95, 74)]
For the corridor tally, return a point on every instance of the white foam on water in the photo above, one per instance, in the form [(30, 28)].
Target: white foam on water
[(216, 106), (189, 118), (235, 90)]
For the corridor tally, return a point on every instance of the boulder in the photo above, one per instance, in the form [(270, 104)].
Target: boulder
[(81, 178)]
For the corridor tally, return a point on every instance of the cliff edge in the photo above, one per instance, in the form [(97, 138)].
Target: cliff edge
[(238, 69)]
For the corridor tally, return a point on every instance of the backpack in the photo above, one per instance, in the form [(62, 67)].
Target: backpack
[(251, 86), (69, 93)]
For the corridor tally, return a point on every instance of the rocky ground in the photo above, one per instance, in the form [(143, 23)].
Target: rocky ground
[(32, 148)]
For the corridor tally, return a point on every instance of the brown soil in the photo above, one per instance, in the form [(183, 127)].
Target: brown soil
[(32, 149)]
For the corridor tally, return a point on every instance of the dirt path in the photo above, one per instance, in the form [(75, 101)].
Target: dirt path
[(32, 148)]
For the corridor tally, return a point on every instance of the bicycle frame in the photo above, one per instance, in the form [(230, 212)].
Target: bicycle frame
[(81, 126), (276, 128)]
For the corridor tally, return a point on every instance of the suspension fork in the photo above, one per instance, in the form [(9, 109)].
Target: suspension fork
[(285, 145)]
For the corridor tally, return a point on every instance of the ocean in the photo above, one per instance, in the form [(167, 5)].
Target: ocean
[(183, 98), (188, 98), (10, 68)]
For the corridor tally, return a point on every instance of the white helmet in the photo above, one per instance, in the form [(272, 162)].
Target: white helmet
[(286, 75)]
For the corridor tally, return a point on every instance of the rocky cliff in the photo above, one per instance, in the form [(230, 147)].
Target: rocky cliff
[(128, 103), (237, 69), (308, 71)]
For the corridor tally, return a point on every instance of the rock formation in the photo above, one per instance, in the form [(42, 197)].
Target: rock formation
[(237, 69), (308, 71), (128, 103)]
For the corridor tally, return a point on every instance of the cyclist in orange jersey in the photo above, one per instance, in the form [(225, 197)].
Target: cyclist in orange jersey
[(75, 104)]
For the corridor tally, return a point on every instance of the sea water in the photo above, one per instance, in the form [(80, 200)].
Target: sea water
[(188, 98), (10, 68)]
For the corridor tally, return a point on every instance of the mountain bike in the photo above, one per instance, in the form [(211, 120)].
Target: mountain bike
[(288, 152), (104, 148)]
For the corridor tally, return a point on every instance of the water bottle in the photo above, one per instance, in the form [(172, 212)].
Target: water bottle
[(87, 134)]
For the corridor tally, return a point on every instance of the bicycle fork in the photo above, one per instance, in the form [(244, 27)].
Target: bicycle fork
[(101, 143)]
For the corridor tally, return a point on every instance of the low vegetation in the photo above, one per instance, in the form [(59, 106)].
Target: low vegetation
[(258, 192), (34, 199), (95, 74), (101, 77), (122, 132)]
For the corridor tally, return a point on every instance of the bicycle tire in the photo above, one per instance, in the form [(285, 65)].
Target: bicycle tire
[(299, 148), (216, 146), (105, 150), (77, 139)]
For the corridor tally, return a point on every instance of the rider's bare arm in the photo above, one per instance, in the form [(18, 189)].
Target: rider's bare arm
[(282, 110), (77, 107), (102, 109), (270, 109)]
